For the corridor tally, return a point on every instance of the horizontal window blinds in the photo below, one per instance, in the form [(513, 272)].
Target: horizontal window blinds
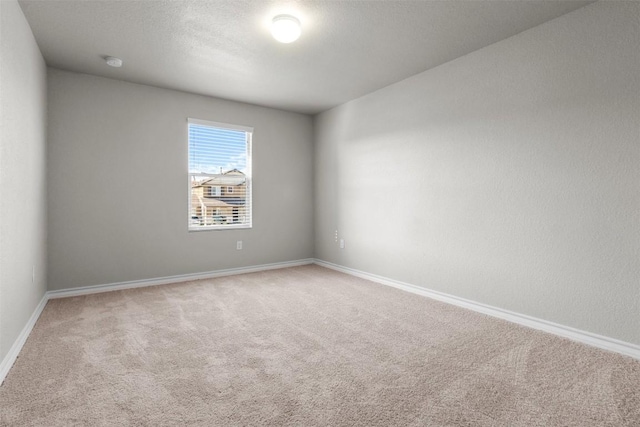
[(219, 175)]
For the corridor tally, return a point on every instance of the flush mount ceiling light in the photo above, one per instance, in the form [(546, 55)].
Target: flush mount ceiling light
[(112, 61), (285, 28)]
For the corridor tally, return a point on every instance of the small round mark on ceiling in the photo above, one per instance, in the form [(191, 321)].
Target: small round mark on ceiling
[(112, 61)]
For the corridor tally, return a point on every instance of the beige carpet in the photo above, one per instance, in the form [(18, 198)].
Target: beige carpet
[(304, 346)]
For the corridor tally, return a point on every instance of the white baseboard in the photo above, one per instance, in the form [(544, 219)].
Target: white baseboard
[(584, 337), (14, 351), (86, 290)]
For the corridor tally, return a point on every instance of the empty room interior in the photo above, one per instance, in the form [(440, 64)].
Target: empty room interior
[(320, 213)]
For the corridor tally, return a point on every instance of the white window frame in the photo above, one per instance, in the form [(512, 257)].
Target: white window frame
[(248, 177)]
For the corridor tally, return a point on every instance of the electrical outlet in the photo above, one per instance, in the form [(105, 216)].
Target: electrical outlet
[(341, 243), (239, 245), (336, 236)]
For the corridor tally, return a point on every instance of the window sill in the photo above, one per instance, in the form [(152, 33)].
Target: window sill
[(220, 228)]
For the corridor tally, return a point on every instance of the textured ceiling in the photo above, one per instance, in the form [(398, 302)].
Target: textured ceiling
[(223, 48)]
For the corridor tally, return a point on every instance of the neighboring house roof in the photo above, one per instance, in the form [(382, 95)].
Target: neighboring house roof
[(234, 201), (220, 181), (208, 202), (234, 171), (227, 179)]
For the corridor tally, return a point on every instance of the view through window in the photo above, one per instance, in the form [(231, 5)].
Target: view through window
[(219, 175)]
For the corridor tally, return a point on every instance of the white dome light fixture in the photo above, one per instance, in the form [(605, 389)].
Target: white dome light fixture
[(285, 28), (112, 61)]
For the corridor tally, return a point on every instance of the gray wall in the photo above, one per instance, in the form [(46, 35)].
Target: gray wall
[(23, 210), (117, 184), (508, 176)]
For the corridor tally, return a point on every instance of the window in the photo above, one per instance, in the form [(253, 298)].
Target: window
[(219, 158)]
